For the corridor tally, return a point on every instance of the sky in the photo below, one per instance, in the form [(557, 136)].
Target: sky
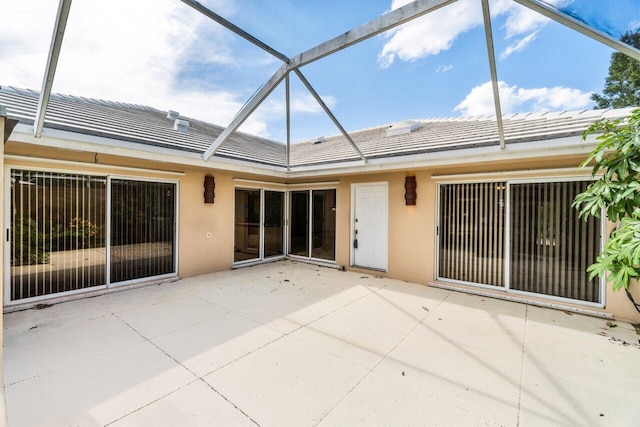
[(163, 54)]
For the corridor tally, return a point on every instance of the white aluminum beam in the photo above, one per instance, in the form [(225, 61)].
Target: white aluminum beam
[(569, 21), (492, 66), (372, 28), (248, 108), (228, 25), (288, 107), (52, 62), (333, 118)]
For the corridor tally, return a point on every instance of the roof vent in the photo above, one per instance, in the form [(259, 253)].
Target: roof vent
[(172, 115), (181, 126), (319, 140), (403, 127)]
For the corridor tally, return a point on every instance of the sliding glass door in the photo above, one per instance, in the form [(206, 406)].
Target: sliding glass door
[(551, 247), (58, 230), (259, 224), (67, 235), (540, 246), (472, 223), (273, 223), (312, 233), (324, 225), (142, 229), (247, 225), (299, 228)]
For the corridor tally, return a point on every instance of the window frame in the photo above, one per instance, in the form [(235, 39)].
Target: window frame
[(507, 237), (8, 302)]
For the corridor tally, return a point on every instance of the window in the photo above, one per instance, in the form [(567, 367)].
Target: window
[(62, 233), (58, 233), (313, 224), (471, 232), (259, 224), (142, 229), (549, 248)]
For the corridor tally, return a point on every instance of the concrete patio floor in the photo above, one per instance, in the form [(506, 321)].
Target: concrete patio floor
[(288, 343)]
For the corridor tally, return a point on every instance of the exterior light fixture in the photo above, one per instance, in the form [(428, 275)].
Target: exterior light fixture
[(209, 189), (410, 194)]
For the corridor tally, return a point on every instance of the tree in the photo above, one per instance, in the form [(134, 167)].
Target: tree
[(622, 86), (617, 191)]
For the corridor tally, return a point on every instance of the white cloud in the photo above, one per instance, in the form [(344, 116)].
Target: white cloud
[(519, 45), (301, 103), (514, 99), (437, 31), (430, 34), (444, 68), (127, 51)]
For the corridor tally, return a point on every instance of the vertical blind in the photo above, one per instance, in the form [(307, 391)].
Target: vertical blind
[(142, 229), (471, 232), (57, 233), (551, 247)]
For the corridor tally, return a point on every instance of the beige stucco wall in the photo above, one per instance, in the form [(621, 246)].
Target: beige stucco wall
[(412, 237), (411, 228)]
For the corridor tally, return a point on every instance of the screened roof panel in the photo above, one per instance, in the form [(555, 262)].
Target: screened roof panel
[(611, 17)]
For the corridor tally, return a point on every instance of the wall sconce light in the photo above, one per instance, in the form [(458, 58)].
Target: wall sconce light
[(410, 194), (209, 189)]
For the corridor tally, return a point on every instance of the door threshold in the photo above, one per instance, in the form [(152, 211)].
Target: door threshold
[(381, 270)]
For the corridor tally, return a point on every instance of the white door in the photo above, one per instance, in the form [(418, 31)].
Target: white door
[(370, 226)]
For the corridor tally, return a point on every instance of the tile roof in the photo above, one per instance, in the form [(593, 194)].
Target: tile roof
[(136, 124), (149, 126), (450, 134)]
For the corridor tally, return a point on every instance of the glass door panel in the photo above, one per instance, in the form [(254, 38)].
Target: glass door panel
[(551, 247), (58, 229), (247, 225), (142, 229), (324, 224), (273, 223), (471, 232), (299, 229)]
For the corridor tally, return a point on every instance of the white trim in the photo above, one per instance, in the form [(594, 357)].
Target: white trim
[(9, 159), (50, 297), (131, 282), (6, 235), (101, 145), (506, 297), (83, 293), (552, 148), (499, 176), (107, 217), (506, 262), (329, 185), (250, 183), (261, 226)]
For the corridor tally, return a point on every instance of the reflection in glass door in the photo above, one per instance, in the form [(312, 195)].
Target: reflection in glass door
[(273, 223), (299, 231), (247, 225), (313, 224), (324, 224)]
